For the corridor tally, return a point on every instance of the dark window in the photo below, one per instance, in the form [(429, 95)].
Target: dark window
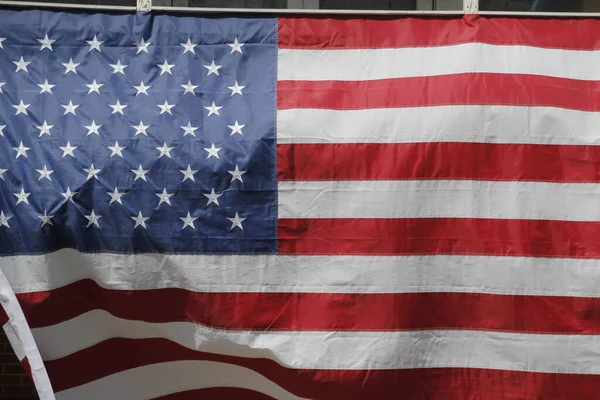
[(232, 3), (366, 5), (288, 4), (96, 2), (323, 4), (541, 5)]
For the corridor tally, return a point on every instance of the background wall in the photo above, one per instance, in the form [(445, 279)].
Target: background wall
[(15, 384)]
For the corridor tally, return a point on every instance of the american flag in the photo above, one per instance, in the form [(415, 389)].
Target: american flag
[(247, 206)]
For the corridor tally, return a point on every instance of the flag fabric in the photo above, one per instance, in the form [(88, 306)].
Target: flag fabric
[(253, 206)]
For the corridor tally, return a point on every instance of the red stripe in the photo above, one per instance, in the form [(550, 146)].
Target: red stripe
[(3, 316), (26, 367), (435, 160), (331, 33), (440, 90), (472, 236), (117, 355), (320, 311), (219, 393)]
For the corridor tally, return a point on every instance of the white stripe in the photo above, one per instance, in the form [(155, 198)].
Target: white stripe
[(482, 124), (342, 350), (21, 338), (368, 64), (439, 199), (14, 340), (308, 274), (152, 381)]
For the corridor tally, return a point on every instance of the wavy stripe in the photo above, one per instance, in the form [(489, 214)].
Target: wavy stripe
[(389, 63), (441, 90), (319, 311), (465, 161), (439, 199), (420, 236), (335, 33), (219, 393), (456, 123), (302, 274), (115, 355), (575, 354), (152, 381)]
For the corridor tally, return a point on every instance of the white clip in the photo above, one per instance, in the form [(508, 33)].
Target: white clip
[(471, 6), (144, 5)]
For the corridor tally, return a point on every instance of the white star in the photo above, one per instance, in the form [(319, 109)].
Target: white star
[(236, 174), (213, 109), (141, 128), (94, 87), (2, 171), (93, 128), (46, 43), (142, 88), (236, 46), (70, 108), (2, 84), (93, 219), (118, 108), (4, 218), (236, 221), (140, 173), (116, 150), (188, 221), (140, 220), (118, 68), (21, 108), (2, 129), (2, 39), (188, 173), (212, 197), (165, 150), (45, 173), (142, 46), (68, 150), (236, 128), (21, 150), (45, 129), (164, 197), (212, 68), (46, 87), (165, 108), (21, 65), (236, 89), (46, 219), (189, 46), (68, 195), (212, 151), (94, 44), (70, 66), (22, 197), (189, 129), (115, 196), (166, 67), (92, 172), (189, 88)]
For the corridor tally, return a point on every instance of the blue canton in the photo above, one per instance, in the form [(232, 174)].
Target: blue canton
[(137, 133)]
